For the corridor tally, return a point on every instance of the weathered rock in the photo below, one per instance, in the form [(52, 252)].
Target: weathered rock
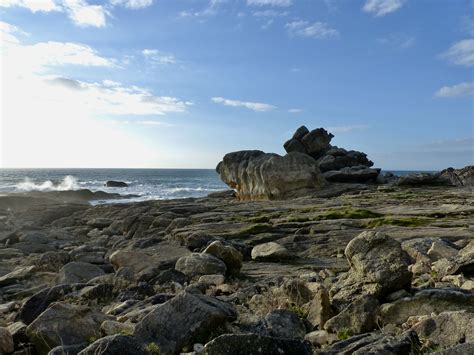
[(134, 259), (317, 142), (339, 158), (16, 276), (294, 145), (282, 323), (110, 327), (212, 279), (6, 341), (447, 328), (426, 302), (99, 222), (297, 291), (112, 183), (254, 344), (116, 345), (462, 262), (320, 337), (378, 266), (441, 250), (52, 260), (37, 303), (200, 264), (77, 272), (358, 317), (228, 254), (182, 321), (423, 179), (64, 324), (459, 177), (320, 309), (461, 349), (375, 343), (270, 251), (68, 349), (359, 173), (259, 176)]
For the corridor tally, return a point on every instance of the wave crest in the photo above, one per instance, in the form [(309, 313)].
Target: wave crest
[(68, 183)]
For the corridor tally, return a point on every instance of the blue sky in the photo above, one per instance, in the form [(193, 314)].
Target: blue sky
[(179, 83)]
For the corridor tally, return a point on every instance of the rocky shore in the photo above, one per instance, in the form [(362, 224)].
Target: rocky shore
[(380, 267)]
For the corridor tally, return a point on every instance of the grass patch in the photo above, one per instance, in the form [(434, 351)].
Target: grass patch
[(399, 221), (352, 213), (256, 228), (344, 333)]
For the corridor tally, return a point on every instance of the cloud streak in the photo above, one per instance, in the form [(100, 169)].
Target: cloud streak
[(318, 30), (461, 53), (459, 90), (254, 106), (381, 8), (276, 3)]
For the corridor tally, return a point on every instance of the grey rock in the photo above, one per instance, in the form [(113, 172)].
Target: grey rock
[(459, 177), (228, 254), (426, 302), (317, 141), (200, 264), (112, 183), (116, 345), (6, 341), (358, 173), (64, 324), (447, 328), (254, 344), (282, 323), (320, 309), (182, 321), (359, 317), (270, 251), (77, 272), (16, 276)]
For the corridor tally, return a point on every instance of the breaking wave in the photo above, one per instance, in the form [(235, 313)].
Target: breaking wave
[(68, 183)]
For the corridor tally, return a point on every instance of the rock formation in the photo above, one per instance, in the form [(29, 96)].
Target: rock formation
[(310, 162)]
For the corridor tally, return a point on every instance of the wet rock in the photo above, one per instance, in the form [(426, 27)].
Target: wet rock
[(447, 328), (77, 272), (378, 266), (200, 264), (358, 317), (259, 176), (228, 254), (270, 251), (112, 183), (254, 344), (282, 323), (64, 324), (114, 345), (182, 321), (426, 302)]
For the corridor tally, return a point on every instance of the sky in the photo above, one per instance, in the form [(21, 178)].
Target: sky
[(180, 83)]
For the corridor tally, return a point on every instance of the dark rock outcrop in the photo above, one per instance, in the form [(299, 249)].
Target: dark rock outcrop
[(112, 183)]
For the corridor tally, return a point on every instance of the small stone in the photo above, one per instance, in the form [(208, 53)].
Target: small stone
[(212, 279), (270, 251)]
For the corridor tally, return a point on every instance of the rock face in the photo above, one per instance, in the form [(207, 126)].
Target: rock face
[(182, 320), (256, 175), (378, 266)]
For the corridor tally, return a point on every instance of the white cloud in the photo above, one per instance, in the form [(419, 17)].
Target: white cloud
[(255, 106), (270, 13), (318, 30), (157, 57), (279, 3), (32, 5), (461, 53), (348, 128), (382, 7), (49, 111), (84, 15), (459, 90), (295, 110), (132, 4)]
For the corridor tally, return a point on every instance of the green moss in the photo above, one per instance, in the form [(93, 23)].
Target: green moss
[(300, 312), (344, 333), (400, 221), (404, 195), (353, 213), (259, 219), (256, 228), (153, 348)]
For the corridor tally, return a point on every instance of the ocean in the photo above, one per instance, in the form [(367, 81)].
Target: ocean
[(148, 184)]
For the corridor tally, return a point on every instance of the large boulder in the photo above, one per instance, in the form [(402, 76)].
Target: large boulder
[(256, 175), (282, 323), (76, 272), (200, 264), (426, 302), (359, 173), (459, 177), (314, 143), (115, 344), (378, 266), (183, 320), (64, 324), (113, 183), (228, 254)]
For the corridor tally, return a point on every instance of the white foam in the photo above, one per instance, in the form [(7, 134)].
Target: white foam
[(68, 183)]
